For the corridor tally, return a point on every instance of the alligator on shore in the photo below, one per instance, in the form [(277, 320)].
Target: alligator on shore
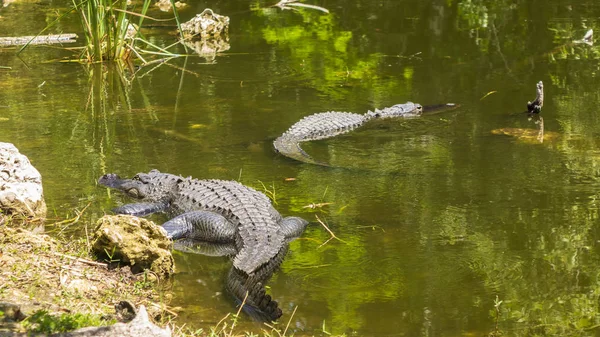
[(329, 124), (216, 211)]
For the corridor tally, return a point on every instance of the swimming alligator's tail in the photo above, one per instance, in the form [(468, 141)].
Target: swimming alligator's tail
[(290, 147)]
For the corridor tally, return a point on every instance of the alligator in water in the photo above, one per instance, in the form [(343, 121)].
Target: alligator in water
[(215, 211), (329, 124)]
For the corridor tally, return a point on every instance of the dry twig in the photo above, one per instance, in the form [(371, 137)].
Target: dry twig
[(238, 313), (333, 236), (290, 321), (73, 220), (373, 227), (78, 259), (162, 307), (317, 205)]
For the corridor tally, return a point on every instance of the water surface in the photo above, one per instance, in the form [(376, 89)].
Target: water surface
[(438, 217)]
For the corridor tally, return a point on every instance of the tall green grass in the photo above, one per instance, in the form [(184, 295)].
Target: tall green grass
[(109, 31)]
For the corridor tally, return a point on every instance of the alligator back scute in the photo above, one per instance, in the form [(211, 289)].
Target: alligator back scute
[(324, 125), (258, 237), (261, 240)]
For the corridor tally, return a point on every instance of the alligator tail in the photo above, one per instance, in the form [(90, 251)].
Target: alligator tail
[(250, 291), (290, 148)]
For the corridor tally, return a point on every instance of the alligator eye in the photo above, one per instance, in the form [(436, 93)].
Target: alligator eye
[(134, 192), (136, 177)]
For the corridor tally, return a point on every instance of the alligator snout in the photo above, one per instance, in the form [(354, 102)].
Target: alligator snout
[(109, 179)]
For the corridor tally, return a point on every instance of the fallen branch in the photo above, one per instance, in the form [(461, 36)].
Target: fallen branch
[(41, 39)]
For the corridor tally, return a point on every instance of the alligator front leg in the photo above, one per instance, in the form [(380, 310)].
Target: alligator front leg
[(205, 248), (202, 226), (141, 209)]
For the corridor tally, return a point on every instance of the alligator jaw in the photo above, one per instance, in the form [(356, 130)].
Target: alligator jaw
[(111, 180)]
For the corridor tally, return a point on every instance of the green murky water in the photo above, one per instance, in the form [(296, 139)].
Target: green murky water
[(438, 216)]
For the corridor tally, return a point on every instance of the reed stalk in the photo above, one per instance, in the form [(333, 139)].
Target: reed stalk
[(107, 29), (110, 31)]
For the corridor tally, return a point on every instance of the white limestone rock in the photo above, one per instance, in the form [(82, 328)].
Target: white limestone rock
[(21, 191)]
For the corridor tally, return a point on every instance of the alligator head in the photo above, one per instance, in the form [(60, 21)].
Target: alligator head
[(405, 110), (152, 186)]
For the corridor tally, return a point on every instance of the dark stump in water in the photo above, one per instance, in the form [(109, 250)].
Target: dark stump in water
[(536, 105)]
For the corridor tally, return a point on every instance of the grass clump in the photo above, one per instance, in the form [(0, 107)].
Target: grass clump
[(44, 322), (109, 31)]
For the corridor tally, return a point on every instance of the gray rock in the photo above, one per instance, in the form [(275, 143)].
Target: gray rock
[(11, 312), (21, 191)]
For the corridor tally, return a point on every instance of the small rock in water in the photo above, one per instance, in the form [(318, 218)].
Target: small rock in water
[(207, 33)]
